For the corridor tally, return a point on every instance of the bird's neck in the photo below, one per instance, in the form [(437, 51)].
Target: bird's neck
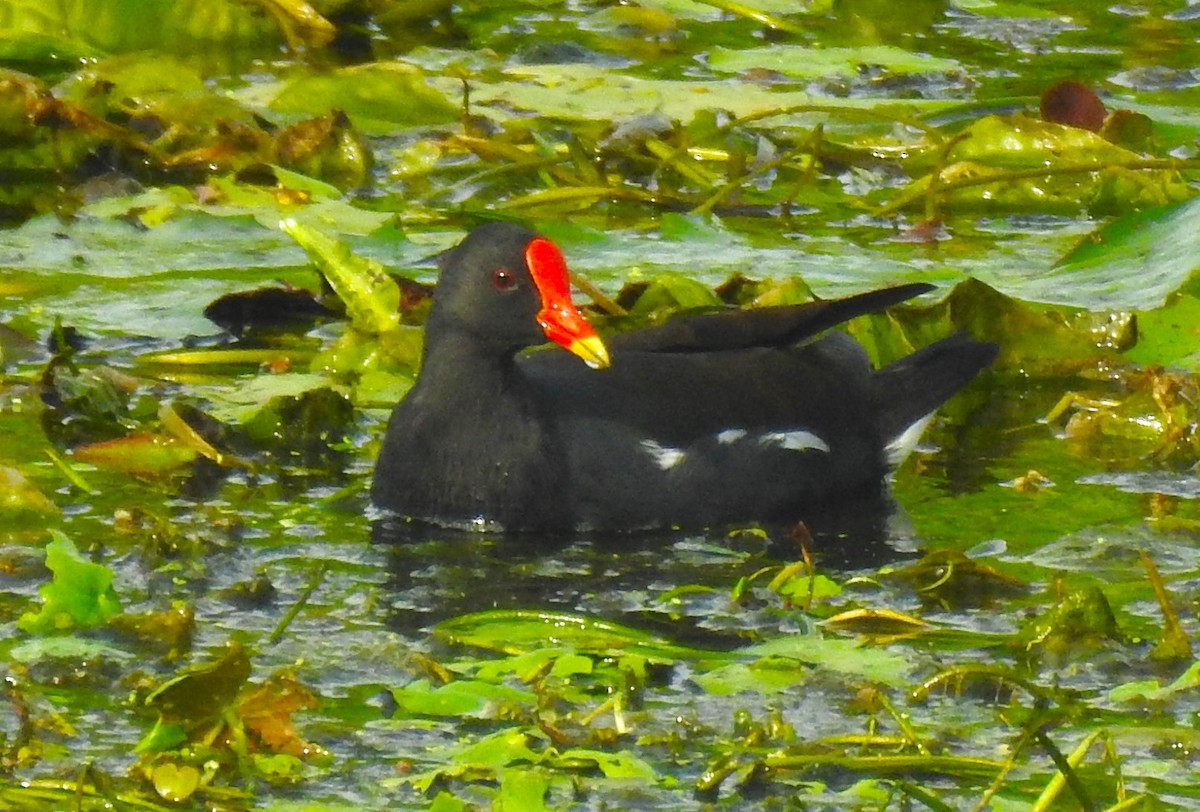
[(450, 345)]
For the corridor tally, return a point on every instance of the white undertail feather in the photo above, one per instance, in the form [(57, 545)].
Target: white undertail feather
[(900, 446), (664, 457)]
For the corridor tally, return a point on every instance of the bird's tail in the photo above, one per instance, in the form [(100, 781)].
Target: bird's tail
[(908, 391)]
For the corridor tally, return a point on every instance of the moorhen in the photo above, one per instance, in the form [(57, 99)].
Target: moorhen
[(707, 420)]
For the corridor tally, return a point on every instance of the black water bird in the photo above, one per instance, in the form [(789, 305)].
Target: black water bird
[(761, 415)]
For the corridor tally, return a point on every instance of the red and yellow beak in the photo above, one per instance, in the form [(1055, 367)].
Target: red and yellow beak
[(560, 319)]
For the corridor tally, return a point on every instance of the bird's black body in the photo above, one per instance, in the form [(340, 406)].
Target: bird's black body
[(733, 417)]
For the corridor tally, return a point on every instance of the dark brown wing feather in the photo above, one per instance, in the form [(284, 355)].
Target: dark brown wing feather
[(765, 327)]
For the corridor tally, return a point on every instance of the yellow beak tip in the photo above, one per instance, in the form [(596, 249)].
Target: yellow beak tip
[(592, 351)]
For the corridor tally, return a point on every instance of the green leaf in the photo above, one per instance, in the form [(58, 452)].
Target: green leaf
[(241, 206), (671, 292), (804, 62), (146, 80), (1039, 340), (590, 93), (620, 764), (245, 400), (458, 698), (1018, 141), (710, 9), (311, 422), (1151, 691), (518, 630), (80, 595), (1015, 162), (522, 791), (68, 648), (494, 670), (279, 766), (372, 298), (203, 692), (819, 587), (107, 245), (378, 97), (161, 738), (993, 8), (19, 500), (1167, 336), (175, 782), (694, 228), (701, 10), (499, 750), (376, 388), (571, 665), (1077, 626), (329, 806), (306, 183), (138, 25), (445, 802), (40, 50), (766, 675), (1135, 261), (846, 657)]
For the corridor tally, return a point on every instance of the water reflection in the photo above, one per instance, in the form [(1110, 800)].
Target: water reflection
[(435, 573)]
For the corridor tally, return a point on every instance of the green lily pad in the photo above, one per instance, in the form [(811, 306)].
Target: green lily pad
[(457, 698), (766, 676), (241, 402), (523, 789), (845, 657), (803, 62), (1037, 339), (136, 25), (1168, 335), (586, 92), (1133, 262), (1020, 163), (379, 97), (68, 648)]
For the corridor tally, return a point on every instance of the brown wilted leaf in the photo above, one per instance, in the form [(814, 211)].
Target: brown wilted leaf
[(266, 712)]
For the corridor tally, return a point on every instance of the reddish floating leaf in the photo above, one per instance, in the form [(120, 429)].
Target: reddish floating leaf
[(1074, 104), (142, 453)]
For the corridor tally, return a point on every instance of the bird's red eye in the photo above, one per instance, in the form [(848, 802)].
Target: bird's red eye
[(503, 279)]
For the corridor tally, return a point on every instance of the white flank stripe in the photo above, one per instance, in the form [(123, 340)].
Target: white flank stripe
[(796, 440), (730, 436)]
